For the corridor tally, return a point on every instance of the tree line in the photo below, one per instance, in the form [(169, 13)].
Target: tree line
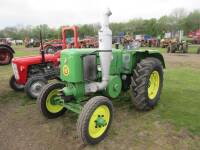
[(178, 19)]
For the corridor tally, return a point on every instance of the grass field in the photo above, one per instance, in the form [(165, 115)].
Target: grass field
[(173, 124)]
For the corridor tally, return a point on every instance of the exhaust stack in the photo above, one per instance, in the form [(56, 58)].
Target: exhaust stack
[(105, 47)]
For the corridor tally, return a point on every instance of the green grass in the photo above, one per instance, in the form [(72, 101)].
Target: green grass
[(180, 99), (22, 51), (192, 49)]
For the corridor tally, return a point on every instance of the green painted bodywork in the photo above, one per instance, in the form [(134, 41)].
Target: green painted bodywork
[(77, 90), (114, 87), (123, 63)]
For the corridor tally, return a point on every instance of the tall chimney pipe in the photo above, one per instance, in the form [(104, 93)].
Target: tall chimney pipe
[(105, 47)]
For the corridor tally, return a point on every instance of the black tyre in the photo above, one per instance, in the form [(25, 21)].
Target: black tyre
[(95, 119), (5, 55), (168, 49), (185, 48), (173, 48), (14, 85), (147, 82), (34, 86), (198, 51), (45, 101)]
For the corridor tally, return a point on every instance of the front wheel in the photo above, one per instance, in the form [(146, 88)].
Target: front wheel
[(95, 119), (34, 86), (47, 100), (14, 85), (147, 82)]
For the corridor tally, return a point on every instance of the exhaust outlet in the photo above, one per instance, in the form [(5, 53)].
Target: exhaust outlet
[(105, 44)]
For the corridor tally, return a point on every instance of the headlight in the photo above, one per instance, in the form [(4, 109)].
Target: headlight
[(15, 71)]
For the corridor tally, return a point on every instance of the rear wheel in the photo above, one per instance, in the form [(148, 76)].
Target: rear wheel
[(168, 49), (198, 51), (14, 85), (185, 48), (34, 86), (95, 119), (50, 50), (5, 55), (147, 82), (46, 100)]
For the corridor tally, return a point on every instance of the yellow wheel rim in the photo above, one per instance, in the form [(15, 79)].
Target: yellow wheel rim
[(154, 83), (53, 108), (99, 121)]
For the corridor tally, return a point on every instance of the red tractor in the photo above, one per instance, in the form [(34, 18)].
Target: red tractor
[(33, 72), (55, 45), (6, 52), (194, 37)]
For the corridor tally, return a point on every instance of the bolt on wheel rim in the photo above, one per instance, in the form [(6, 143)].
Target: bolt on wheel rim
[(154, 83), (99, 121)]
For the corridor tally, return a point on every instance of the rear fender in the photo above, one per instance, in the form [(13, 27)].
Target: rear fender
[(149, 53), (8, 47)]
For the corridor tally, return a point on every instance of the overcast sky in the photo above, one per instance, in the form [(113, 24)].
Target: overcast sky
[(68, 12)]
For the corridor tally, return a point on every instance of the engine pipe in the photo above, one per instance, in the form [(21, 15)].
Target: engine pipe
[(105, 54)]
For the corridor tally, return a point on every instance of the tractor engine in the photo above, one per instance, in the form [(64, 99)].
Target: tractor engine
[(80, 66)]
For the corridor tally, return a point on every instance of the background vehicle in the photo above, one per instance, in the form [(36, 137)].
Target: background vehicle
[(194, 37), (33, 72), (6, 51), (31, 42), (178, 44), (57, 44)]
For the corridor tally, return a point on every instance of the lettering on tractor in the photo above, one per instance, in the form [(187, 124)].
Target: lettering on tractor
[(102, 72)]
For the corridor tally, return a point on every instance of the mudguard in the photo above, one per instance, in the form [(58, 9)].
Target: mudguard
[(141, 54), (10, 48)]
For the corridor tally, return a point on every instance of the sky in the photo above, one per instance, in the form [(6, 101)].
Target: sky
[(68, 12)]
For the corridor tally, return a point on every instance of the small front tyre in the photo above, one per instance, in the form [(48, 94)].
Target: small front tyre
[(46, 101), (95, 119), (14, 85), (34, 86)]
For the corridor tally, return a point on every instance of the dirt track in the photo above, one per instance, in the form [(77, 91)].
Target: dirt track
[(22, 127), (182, 60)]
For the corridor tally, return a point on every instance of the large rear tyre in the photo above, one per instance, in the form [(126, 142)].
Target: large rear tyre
[(14, 85), (5, 55), (185, 48), (34, 86), (95, 119), (168, 49), (46, 101), (50, 50), (147, 83), (198, 51)]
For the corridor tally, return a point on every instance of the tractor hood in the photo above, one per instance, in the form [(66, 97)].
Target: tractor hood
[(30, 60)]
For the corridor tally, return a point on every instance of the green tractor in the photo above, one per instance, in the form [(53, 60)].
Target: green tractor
[(101, 74)]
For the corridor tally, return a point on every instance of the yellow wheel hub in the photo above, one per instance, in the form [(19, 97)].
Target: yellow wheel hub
[(99, 121), (51, 107), (154, 83)]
